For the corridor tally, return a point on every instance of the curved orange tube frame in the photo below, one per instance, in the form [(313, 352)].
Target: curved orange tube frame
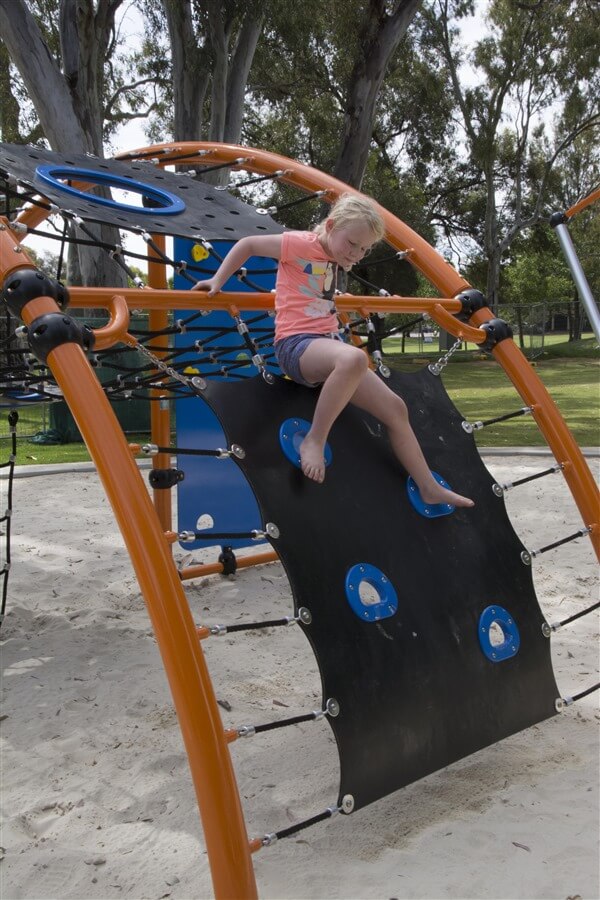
[(583, 203), (193, 695), (116, 329), (228, 848)]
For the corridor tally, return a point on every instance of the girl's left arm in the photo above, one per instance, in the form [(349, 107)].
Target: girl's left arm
[(259, 245)]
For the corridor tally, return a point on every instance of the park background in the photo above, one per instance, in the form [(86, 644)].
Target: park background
[(472, 122)]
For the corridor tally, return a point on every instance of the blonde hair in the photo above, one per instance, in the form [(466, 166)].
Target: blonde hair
[(351, 208)]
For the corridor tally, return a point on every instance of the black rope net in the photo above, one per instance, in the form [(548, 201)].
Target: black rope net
[(189, 345)]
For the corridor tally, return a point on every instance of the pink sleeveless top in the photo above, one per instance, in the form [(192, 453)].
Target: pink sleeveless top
[(305, 287)]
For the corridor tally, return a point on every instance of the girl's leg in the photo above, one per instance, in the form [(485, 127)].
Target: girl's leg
[(344, 371), (376, 398), (341, 368)]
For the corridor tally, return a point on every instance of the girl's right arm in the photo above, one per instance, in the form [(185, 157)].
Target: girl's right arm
[(261, 245)]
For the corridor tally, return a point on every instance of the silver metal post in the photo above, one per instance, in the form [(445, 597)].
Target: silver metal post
[(583, 288)]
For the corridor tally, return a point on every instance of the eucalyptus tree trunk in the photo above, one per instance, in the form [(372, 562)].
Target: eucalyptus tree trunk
[(190, 71), (231, 67), (68, 104), (492, 246), (222, 60), (239, 70), (380, 35), (200, 60), (47, 88), (10, 131)]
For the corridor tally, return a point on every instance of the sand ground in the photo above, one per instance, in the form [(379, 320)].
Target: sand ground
[(97, 797)]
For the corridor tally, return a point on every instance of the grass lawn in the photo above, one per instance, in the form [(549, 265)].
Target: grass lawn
[(554, 345), (29, 454), (481, 391), (479, 388)]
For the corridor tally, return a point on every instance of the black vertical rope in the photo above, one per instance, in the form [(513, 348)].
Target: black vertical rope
[(6, 199), (61, 255), (13, 418)]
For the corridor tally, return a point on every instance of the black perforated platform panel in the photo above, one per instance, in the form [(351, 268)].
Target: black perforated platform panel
[(180, 205), (416, 690)]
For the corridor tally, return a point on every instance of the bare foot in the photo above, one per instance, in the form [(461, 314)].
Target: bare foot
[(436, 493), (311, 459)]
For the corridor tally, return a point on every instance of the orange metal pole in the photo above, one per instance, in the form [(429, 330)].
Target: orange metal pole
[(552, 425), (193, 695), (89, 298), (160, 410), (184, 663), (430, 263), (216, 568), (116, 330), (560, 440)]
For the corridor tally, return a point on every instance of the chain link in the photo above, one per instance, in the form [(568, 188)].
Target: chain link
[(436, 368), (196, 383)]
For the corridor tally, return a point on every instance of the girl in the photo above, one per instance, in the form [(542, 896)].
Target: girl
[(308, 346)]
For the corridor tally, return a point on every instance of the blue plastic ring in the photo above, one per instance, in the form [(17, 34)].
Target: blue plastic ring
[(169, 203)]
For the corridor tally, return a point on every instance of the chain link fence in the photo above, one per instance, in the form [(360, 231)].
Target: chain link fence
[(51, 422)]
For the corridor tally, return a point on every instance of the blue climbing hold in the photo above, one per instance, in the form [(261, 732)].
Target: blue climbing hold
[(496, 622), (291, 435), (428, 510), (370, 610)]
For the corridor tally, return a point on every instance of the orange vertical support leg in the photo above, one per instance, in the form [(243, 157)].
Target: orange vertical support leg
[(200, 721), (160, 410)]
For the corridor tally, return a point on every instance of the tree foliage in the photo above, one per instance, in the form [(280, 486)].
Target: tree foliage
[(471, 129), (534, 90), (65, 54)]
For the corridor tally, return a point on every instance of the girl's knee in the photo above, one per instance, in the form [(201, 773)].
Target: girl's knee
[(353, 360)]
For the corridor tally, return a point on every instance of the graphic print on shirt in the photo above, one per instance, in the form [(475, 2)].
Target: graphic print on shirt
[(320, 286)]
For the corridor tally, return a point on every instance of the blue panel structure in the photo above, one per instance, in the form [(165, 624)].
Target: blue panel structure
[(215, 487)]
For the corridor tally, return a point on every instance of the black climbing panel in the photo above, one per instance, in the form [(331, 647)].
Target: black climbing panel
[(416, 690), (206, 212)]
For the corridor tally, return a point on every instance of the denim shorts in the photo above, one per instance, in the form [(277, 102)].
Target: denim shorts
[(289, 350)]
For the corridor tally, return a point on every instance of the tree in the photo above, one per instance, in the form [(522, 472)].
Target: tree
[(62, 51), (536, 58), (16, 126), (275, 49), (378, 36), (320, 71), (212, 46)]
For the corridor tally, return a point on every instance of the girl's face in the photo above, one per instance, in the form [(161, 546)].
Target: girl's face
[(347, 244)]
